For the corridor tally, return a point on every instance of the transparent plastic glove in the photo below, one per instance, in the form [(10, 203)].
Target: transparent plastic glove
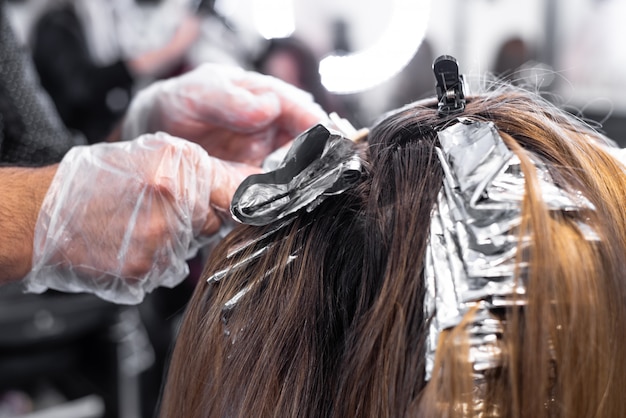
[(121, 219), (234, 114)]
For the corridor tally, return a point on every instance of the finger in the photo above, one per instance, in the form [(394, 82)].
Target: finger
[(220, 100), (296, 118), (250, 148), (298, 111), (283, 139), (226, 178)]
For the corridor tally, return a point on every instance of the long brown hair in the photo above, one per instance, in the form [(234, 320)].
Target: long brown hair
[(334, 326)]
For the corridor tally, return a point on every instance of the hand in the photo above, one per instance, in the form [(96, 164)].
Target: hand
[(121, 219), (235, 115)]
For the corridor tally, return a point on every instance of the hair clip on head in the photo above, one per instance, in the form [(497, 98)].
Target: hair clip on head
[(449, 85)]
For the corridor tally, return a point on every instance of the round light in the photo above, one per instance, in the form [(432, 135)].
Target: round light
[(365, 69)]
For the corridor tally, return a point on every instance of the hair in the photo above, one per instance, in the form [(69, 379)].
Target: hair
[(339, 330)]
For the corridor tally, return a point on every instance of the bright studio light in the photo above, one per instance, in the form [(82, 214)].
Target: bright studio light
[(370, 67), (274, 18)]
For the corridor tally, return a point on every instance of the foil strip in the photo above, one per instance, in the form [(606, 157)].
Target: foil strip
[(319, 164), (230, 303), (264, 242), (473, 242)]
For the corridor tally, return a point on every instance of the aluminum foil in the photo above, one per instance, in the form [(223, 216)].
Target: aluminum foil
[(470, 259), (263, 243), (319, 164)]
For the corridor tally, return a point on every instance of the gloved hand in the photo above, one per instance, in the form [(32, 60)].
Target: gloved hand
[(235, 115), (121, 219)]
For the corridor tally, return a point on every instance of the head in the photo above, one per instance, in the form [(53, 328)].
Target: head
[(294, 61), (334, 322)]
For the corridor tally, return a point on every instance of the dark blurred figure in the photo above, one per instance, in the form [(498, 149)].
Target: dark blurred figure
[(512, 56), (295, 62), (415, 81), (82, 66), (341, 37)]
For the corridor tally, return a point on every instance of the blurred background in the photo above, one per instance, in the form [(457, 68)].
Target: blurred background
[(75, 356), (357, 58)]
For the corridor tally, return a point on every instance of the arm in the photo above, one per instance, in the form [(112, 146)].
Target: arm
[(31, 132), (22, 191)]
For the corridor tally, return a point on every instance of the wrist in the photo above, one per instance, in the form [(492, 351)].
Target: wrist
[(23, 191)]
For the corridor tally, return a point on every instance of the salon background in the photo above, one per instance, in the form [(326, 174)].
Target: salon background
[(76, 356)]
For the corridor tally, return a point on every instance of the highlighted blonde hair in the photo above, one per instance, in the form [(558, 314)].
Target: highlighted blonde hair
[(339, 331)]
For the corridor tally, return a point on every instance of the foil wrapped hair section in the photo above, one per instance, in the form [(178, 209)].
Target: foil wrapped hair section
[(319, 164), (322, 162), (474, 238)]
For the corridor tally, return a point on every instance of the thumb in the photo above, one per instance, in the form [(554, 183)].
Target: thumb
[(227, 176), (237, 109)]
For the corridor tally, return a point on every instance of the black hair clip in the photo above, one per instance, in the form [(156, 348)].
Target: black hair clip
[(449, 85)]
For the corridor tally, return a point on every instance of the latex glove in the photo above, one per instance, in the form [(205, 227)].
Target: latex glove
[(235, 115), (120, 219)]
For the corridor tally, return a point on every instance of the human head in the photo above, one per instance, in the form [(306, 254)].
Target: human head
[(334, 324), (294, 61)]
